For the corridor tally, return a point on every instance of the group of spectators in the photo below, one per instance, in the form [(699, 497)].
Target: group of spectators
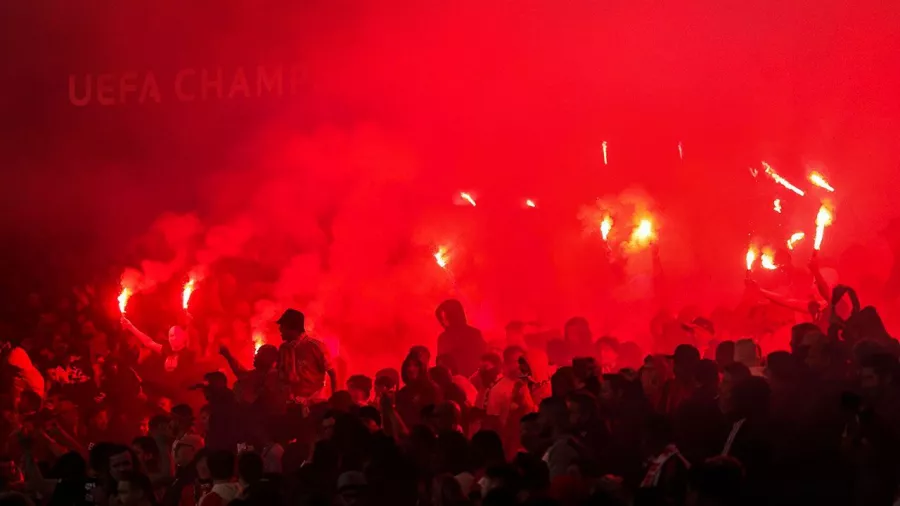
[(96, 412)]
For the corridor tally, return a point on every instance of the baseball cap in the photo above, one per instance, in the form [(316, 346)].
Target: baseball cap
[(292, 319), (699, 322)]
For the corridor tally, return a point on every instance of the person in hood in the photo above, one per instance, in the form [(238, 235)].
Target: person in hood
[(459, 339), (418, 391)]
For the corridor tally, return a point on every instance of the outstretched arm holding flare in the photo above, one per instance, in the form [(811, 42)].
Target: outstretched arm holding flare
[(148, 342)]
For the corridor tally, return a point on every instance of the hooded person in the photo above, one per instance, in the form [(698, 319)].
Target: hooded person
[(418, 391), (459, 339), (536, 368)]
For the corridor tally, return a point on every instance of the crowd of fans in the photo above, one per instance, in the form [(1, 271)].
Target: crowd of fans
[(97, 412)]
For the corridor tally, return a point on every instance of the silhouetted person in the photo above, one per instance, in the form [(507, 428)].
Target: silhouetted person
[(459, 339)]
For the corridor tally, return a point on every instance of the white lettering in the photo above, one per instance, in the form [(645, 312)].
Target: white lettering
[(270, 82), (206, 84), (150, 89), (106, 90), (127, 84), (180, 94), (239, 84), (83, 100)]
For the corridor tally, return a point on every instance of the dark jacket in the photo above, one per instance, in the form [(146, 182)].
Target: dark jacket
[(416, 394), (460, 340)]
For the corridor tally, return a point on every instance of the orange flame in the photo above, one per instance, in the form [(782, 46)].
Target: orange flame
[(751, 257), (643, 234), (780, 180), (818, 180), (823, 219), (441, 257), (530, 203), (258, 341), (777, 205), (605, 159), (767, 260), (123, 298), (186, 293), (468, 198), (606, 226), (795, 238)]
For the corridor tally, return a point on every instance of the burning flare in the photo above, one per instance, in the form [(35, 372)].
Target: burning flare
[(780, 180), (817, 179), (767, 260), (680, 151), (823, 219), (777, 205), (642, 234), (468, 198), (605, 159), (258, 340), (750, 258), (441, 257), (123, 298), (795, 238), (186, 293), (606, 226), (530, 203)]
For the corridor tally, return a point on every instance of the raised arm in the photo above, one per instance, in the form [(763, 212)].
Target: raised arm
[(235, 366), (145, 340)]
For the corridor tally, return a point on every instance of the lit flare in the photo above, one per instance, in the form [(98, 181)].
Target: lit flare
[(441, 258), (606, 226), (468, 198), (680, 151), (795, 238), (605, 159), (258, 341), (777, 205), (530, 203), (819, 180), (186, 293), (750, 258), (780, 180), (823, 219), (123, 299), (643, 234), (767, 260)]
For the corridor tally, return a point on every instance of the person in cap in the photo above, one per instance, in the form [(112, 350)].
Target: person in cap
[(303, 362)]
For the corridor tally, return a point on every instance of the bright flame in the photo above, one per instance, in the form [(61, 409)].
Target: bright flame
[(795, 238), (643, 233), (606, 226), (777, 205), (123, 298), (780, 180), (751, 257), (823, 219), (530, 203), (441, 257), (605, 159), (680, 151), (767, 260), (817, 179), (468, 198), (258, 340), (186, 293)]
